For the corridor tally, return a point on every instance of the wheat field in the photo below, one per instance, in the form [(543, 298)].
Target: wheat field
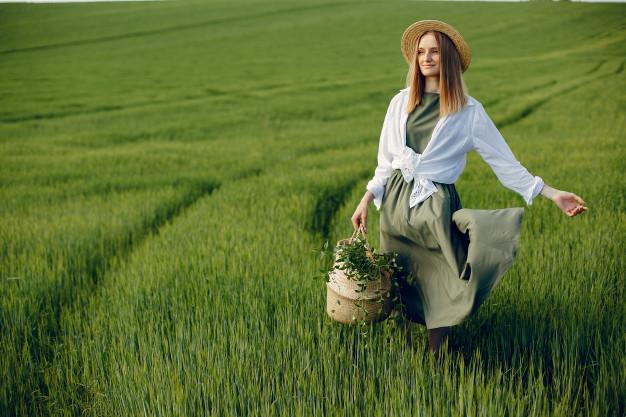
[(170, 170)]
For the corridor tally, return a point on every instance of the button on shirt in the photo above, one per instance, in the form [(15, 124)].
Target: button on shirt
[(444, 158)]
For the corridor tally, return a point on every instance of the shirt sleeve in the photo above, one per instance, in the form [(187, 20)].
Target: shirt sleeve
[(383, 171), (489, 143)]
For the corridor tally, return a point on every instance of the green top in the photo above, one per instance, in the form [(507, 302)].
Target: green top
[(422, 121)]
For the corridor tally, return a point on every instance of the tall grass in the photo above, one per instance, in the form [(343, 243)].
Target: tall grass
[(169, 172)]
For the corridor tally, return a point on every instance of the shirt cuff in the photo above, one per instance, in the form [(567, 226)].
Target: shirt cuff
[(534, 190), (378, 193)]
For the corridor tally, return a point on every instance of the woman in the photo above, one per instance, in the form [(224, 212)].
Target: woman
[(451, 257)]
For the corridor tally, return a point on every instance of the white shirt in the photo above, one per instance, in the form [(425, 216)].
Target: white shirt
[(444, 158)]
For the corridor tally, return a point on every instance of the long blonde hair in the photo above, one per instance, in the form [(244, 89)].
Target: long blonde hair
[(452, 89)]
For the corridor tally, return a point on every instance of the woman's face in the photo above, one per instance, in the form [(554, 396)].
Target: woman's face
[(428, 55)]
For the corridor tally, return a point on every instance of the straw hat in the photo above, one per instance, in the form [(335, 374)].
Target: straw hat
[(413, 33)]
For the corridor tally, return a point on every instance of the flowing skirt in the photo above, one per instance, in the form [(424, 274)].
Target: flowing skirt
[(451, 257)]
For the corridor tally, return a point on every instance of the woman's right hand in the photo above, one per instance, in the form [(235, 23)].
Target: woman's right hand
[(569, 203), (359, 218)]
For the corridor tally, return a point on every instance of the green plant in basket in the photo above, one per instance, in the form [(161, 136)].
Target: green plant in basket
[(360, 282), (360, 262)]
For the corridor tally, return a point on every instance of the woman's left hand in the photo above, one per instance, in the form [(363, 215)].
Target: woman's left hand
[(569, 203)]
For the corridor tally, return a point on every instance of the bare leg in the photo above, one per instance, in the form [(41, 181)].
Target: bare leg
[(407, 333), (436, 337)]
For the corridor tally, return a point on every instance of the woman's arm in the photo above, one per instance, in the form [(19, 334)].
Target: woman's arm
[(489, 143), (359, 218), (494, 150), (376, 186)]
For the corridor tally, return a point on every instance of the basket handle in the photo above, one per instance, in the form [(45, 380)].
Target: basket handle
[(358, 231)]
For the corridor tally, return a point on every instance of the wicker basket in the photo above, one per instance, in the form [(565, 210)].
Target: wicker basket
[(349, 301)]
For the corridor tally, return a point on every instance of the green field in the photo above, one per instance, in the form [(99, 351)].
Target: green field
[(170, 170)]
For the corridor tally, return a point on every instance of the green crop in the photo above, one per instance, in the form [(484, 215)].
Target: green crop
[(167, 169)]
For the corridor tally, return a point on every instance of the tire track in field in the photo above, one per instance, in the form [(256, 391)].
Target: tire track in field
[(161, 217), (45, 344), (96, 265), (328, 202), (210, 94), (151, 226), (98, 310), (559, 90), (143, 33), (596, 67), (40, 338), (215, 93), (598, 43), (524, 91)]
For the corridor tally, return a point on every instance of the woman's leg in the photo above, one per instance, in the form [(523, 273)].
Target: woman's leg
[(407, 332), (435, 337)]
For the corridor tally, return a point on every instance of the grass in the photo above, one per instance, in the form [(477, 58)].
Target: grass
[(169, 170)]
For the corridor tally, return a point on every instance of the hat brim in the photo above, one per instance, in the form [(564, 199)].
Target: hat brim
[(417, 29)]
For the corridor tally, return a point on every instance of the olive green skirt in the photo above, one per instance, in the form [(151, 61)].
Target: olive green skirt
[(451, 257)]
